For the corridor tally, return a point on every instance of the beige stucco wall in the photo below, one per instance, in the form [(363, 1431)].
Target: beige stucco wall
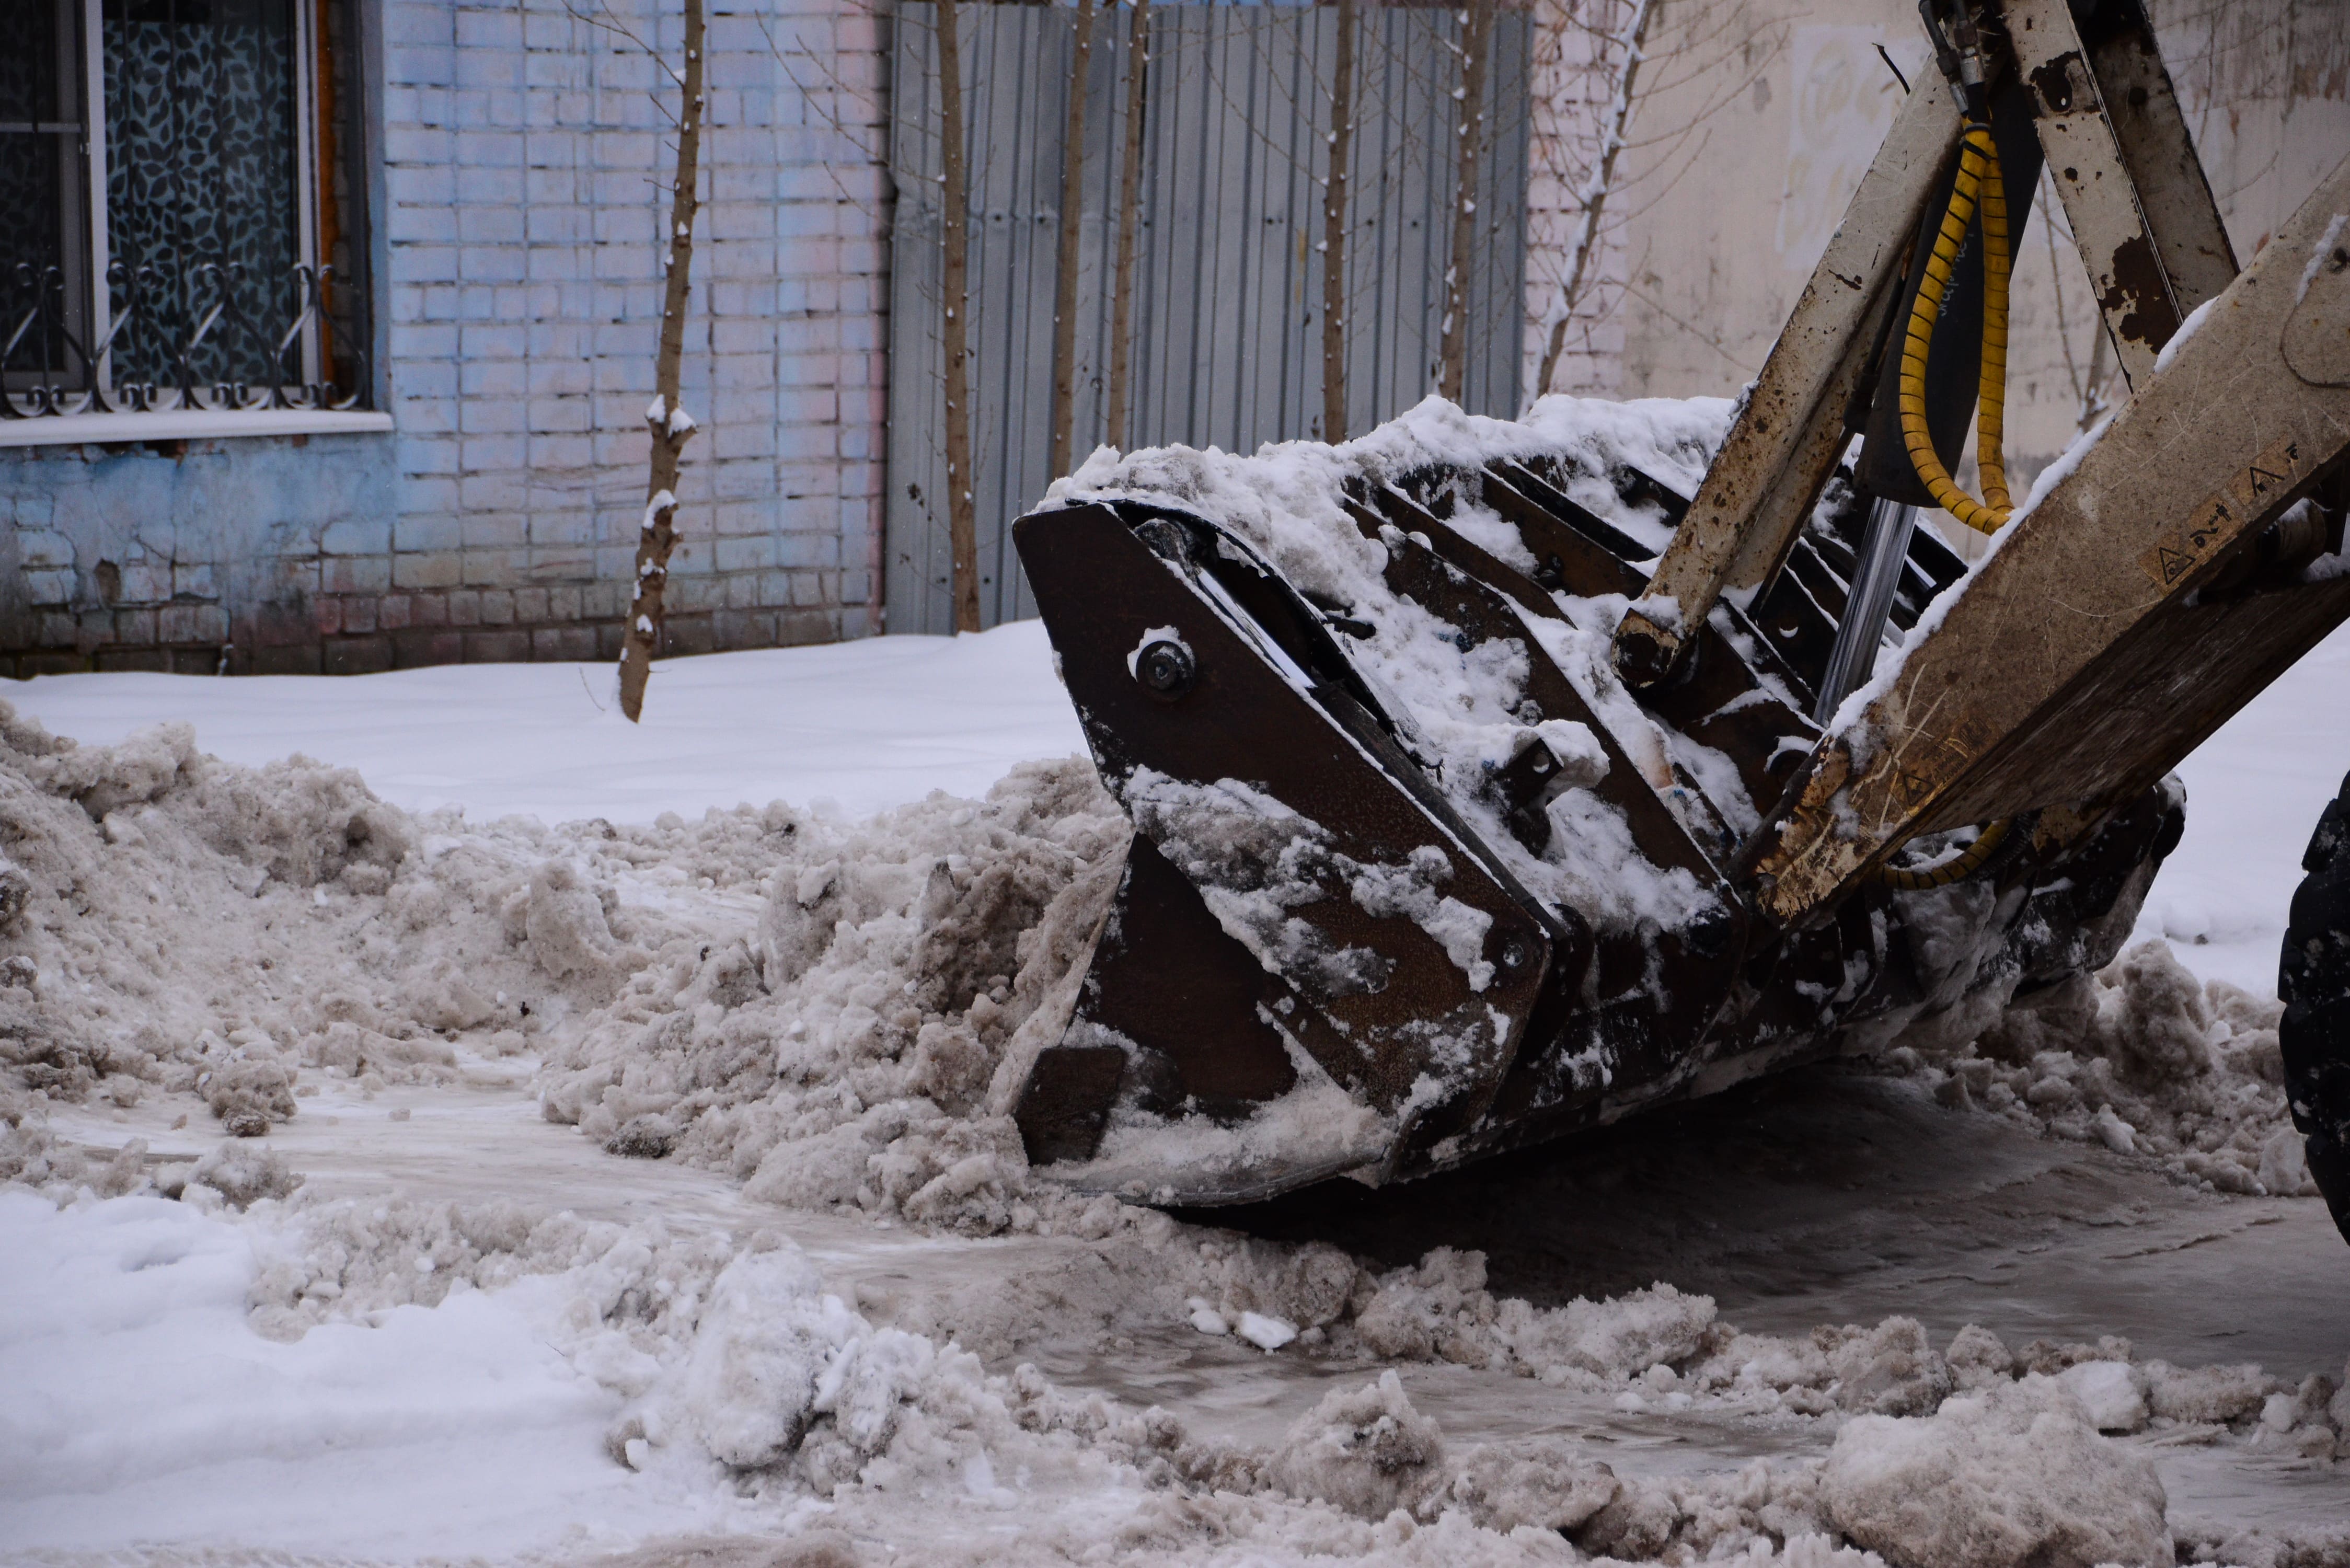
[(1760, 116)]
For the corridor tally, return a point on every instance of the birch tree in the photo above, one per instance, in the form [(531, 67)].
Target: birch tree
[(1130, 215), (1452, 356), (1601, 182), (1626, 94), (1064, 277), (669, 425)]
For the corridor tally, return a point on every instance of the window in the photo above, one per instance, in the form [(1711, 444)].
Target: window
[(177, 223)]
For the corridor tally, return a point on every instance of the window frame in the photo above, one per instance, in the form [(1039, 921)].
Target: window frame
[(78, 399)]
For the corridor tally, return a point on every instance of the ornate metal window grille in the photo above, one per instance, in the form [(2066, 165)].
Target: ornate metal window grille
[(178, 215)]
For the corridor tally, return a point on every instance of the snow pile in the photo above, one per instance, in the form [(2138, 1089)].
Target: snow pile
[(1365, 1450), (2012, 1477), (2144, 1058), (858, 1046), (1592, 440), (825, 1009), (1658, 1346), (2008, 1475), (1440, 1309), (351, 1258), (235, 1175), (722, 1369), (241, 1175), (143, 1410), (1662, 1349), (1368, 1452), (137, 947), (778, 1370), (1889, 1369), (731, 1364), (724, 1354), (724, 1362)]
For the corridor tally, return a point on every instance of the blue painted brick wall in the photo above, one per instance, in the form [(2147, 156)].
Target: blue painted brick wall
[(524, 156)]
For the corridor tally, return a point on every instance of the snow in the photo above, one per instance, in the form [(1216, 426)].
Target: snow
[(2253, 793), (2012, 1477), (662, 501), (858, 727), (1265, 1333), (134, 1378), (1367, 1451), (728, 1235), (2318, 253), (2196, 317)]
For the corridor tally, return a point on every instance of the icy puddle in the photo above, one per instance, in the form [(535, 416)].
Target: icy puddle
[(1856, 1199)]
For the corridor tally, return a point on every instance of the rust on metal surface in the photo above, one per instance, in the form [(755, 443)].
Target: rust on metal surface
[(2133, 294), (2099, 187), (2151, 130)]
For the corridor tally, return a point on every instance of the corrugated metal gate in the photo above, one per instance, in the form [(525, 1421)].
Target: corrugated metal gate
[(1227, 314)]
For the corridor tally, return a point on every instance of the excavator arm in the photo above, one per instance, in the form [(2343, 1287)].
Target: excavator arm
[(2127, 613), (1495, 779)]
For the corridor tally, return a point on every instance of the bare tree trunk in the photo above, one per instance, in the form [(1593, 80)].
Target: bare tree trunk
[(1130, 215), (1596, 189), (962, 521), (1476, 29), (670, 426), (1064, 277), (1333, 231)]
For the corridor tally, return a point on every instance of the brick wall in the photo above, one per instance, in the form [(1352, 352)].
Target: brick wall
[(524, 156), (125, 558)]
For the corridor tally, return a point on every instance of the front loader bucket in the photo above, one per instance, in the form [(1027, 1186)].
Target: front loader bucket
[(1414, 877), (1297, 923)]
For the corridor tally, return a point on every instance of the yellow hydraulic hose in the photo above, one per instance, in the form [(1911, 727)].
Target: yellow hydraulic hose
[(1979, 176), (1956, 868), (1979, 179)]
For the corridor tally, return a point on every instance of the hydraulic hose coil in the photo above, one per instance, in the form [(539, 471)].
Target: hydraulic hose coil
[(1980, 184), (1956, 868)]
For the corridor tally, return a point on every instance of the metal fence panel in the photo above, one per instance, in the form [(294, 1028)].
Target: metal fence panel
[(1226, 322)]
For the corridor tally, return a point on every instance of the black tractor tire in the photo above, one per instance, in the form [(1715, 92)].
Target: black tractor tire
[(2313, 982)]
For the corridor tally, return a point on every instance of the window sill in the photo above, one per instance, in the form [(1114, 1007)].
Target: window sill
[(79, 429)]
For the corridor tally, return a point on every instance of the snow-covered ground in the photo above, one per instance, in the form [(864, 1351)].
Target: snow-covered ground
[(473, 1332), (2254, 793), (859, 727), (852, 727)]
